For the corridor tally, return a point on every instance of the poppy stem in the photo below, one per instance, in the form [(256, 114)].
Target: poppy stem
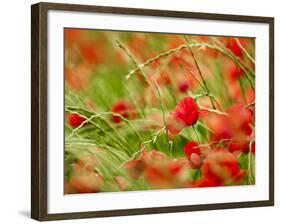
[(163, 114), (198, 139), (250, 163), (196, 174), (242, 89)]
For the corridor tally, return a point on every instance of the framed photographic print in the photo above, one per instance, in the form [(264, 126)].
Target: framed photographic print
[(139, 111)]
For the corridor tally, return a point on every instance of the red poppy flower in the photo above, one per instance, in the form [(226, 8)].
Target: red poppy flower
[(222, 167), (190, 148), (86, 182), (236, 126), (241, 146), (157, 176), (123, 108), (72, 36), (92, 52), (235, 72), (152, 156), (253, 149), (75, 120), (193, 153), (205, 182), (84, 179), (234, 47), (183, 86), (135, 168), (166, 173), (185, 114), (241, 119), (78, 78), (163, 79), (175, 168)]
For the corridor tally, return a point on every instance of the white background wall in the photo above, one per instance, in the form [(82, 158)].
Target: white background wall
[(15, 112)]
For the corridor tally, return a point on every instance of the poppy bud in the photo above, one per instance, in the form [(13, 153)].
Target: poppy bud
[(190, 148), (125, 109), (75, 120)]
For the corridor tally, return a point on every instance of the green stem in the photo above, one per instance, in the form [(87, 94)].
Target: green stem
[(198, 139), (163, 113), (250, 163), (199, 71)]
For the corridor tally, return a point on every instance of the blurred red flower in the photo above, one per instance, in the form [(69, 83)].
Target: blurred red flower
[(151, 156), (193, 153), (220, 168), (158, 170), (236, 126), (234, 47), (77, 78), (86, 182), (253, 149), (75, 120), (84, 179), (241, 119), (190, 148), (185, 114), (205, 182), (241, 146), (161, 172), (72, 36), (183, 86), (135, 168), (123, 108), (92, 52), (235, 72), (163, 79)]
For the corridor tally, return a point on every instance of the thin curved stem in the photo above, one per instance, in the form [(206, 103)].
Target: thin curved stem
[(163, 113), (197, 136), (213, 111), (250, 163), (134, 61), (244, 50), (199, 70)]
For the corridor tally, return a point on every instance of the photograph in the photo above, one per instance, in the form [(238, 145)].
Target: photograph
[(152, 111)]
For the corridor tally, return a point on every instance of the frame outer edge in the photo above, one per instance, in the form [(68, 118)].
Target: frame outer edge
[(35, 190), (38, 112), (271, 111), (154, 12), (39, 122)]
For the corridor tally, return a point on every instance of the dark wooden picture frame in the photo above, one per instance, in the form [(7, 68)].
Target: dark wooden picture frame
[(39, 149)]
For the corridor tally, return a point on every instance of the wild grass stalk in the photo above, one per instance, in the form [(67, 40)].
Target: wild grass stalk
[(206, 88), (244, 50), (163, 117)]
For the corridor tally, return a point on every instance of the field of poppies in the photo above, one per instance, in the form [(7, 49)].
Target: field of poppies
[(150, 111)]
